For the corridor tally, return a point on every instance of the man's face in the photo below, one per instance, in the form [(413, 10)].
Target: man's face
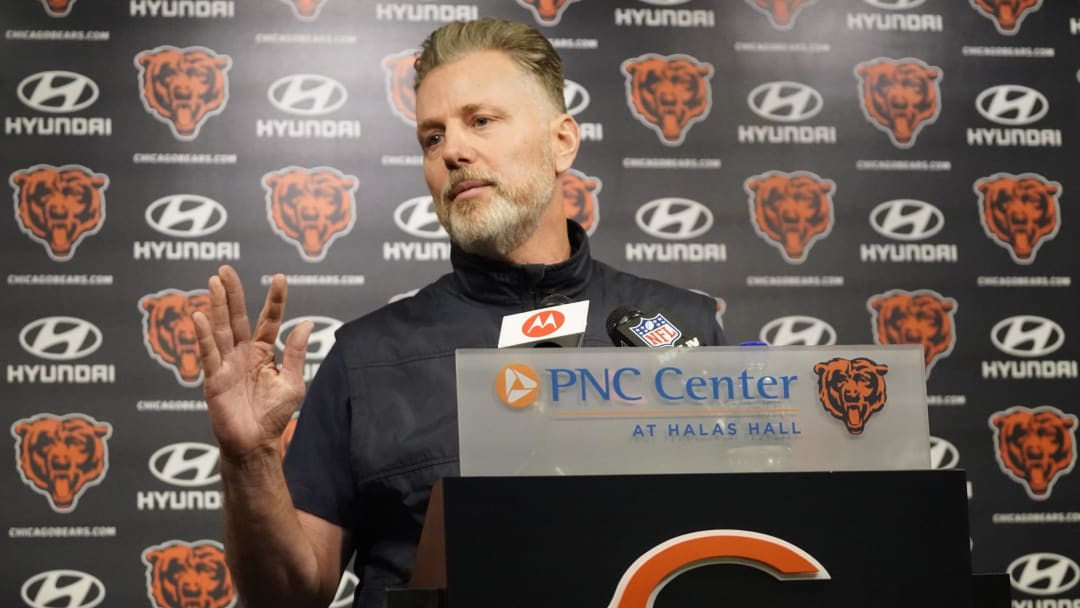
[(485, 126)]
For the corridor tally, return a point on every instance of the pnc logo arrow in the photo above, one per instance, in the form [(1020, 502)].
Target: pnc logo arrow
[(517, 385), (543, 323)]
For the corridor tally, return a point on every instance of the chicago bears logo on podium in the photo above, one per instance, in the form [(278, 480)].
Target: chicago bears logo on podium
[(915, 317), (169, 331), (852, 390), (59, 206), (1019, 212), (61, 457), (1035, 446), (899, 96), (310, 208), (182, 575), (183, 87), (791, 211), (668, 93)]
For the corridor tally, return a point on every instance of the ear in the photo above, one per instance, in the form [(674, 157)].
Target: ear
[(863, 71), (22, 430), (820, 368), (983, 186), (998, 421), (1051, 189), (145, 59), (271, 181), (753, 185), (98, 180), (704, 70), (877, 304), (882, 369), (152, 557), (826, 187), (20, 179), (148, 304), (102, 430), (222, 62), (565, 141), (948, 305), (631, 67), (933, 73)]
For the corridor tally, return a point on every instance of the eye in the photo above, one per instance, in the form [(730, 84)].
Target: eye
[(481, 121), (432, 140)]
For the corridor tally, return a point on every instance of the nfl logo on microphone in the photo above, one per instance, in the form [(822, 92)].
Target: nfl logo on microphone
[(657, 331)]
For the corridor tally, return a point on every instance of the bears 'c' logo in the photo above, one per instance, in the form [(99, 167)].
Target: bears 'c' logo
[(310, 207), (183, 87), (782, 13), (546, 12), (400, 74), (915, 317), (61, 456), (169, 332), (899, 96), (668, 93), (852, 390), (1035, 446), (59, 206), (305, 10), (791, 211), (1019, 212), (579, 198), (58, 8), (181, 574), (1007, 15)]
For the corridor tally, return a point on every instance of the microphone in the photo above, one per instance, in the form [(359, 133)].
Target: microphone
[(629, 327), (559, 322)]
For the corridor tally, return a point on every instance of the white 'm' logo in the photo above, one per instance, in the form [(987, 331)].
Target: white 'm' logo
[(785, 101), (798, 330), (895, 5), (322, 335), (1027, 336), (187, 464), (57, 91), (60, 338), (1043, 573), (186, 215), (907, 220), (417, 217), (542, 321), (346, 588), (1012, 104), (943, 455), (674, 218), (575, 96), (76, 589), (307, 94)]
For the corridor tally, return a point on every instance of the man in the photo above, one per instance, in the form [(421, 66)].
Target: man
[(378, 427)]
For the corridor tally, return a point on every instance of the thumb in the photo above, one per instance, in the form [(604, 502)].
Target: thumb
[(292, 360)]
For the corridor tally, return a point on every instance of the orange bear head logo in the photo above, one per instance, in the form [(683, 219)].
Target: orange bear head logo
[(852, 390), (169, 331), (183, 87), (579, 198), (59, 206), (899, 97), (915, 317), (311, 207), (668, 93), (1019, 212), (400, 73), (1007, 15), (1035, 446), (791, 211), (61, 456), (547, 12), (305, 10), (781, 13), (185, 575), (58, 8)]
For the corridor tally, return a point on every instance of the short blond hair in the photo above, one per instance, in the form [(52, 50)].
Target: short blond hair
[(526, 46)]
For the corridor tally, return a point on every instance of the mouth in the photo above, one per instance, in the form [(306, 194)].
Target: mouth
[(466, 189)]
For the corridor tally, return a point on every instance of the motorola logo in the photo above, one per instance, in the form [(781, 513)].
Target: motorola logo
[(1012, 105), (186, 215), (307, 94), (943, 455), (57, 91), (1027, 336), (798, 330), (1043, 574), (674, 218), (895, 5), (322, 335), (67, 588), (575, 96), (187, 464), (785, 101), (60, 338), (417, 217), (906, 220)]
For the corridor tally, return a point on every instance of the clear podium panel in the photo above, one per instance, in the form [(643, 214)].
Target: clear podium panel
[(601, 411)]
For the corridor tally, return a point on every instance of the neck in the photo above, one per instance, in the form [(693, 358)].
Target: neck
[(549, 244)]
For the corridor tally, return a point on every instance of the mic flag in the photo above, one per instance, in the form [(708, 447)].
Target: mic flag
[(562, 325), (630, 327)]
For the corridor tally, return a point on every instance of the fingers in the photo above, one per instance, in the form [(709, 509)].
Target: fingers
[(237, 306), (292, 360), (273, 312), (208, 350), (220, 330)]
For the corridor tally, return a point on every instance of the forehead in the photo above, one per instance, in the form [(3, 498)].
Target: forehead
[(478, 78)]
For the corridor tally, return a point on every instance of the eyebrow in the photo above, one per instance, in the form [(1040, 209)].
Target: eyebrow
[(466, 109)]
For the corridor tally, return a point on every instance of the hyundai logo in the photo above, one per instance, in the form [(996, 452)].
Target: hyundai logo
[(322, 335), (575, 96), (57, 91), (76, 589), (186, 215), (1027, 336), (785, 101), (1012, 105), (1043, 574), (895, 5), (307, 94), (674, 218), (60, 338), (417, 217), (943, 455), (906, 220), (187, 464), (798, 330)]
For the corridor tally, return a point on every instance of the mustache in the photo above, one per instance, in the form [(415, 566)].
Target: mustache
[(466, 174)]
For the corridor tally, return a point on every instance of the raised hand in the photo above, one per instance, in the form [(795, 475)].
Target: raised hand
[(249, 397)]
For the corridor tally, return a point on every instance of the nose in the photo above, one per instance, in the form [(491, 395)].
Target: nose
[(457, 149)]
